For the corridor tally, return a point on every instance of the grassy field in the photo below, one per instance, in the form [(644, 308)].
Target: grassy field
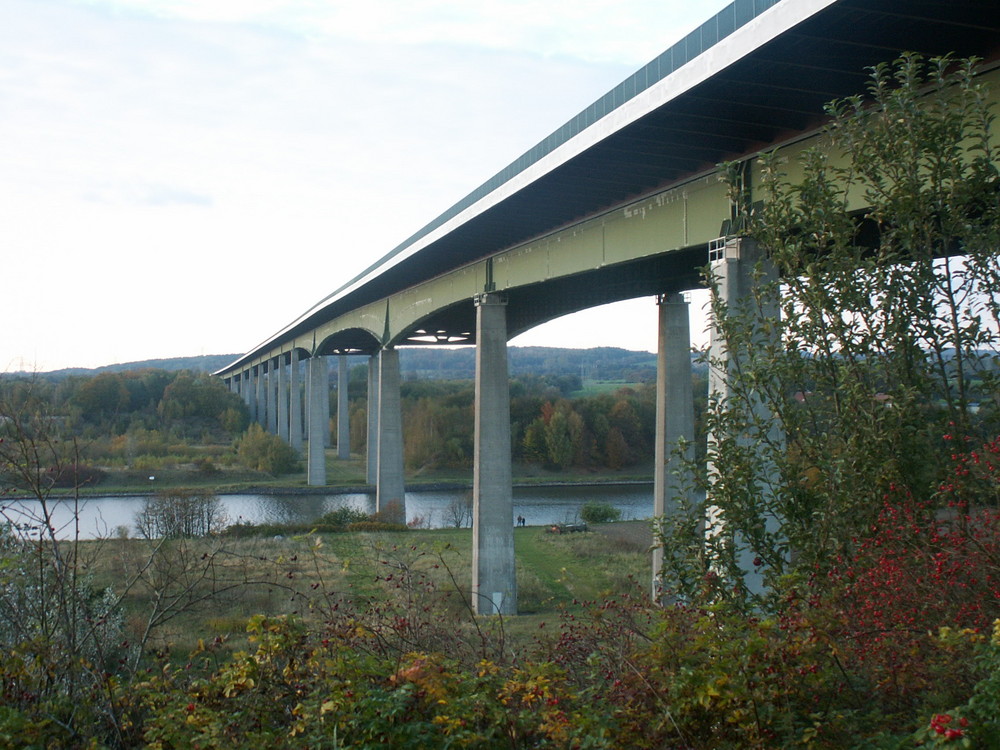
[(206, 588), (597, 387)]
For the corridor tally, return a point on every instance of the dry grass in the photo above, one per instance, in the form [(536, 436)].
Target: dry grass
[(208, 588)]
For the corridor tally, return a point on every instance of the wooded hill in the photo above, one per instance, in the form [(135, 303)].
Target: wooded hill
[(601, 363)]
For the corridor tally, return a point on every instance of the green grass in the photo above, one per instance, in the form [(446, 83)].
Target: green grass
[(597, 387), (305, 573)]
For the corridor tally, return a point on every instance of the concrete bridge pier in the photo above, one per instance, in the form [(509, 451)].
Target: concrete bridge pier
[(265, 407), (272, 396), (294, 403), (494, 583), (249, 393), (674, 414), (343, 414), (318, 398), (283, 399), (738, 269), (261, 396), (371, 449), (390, 489)]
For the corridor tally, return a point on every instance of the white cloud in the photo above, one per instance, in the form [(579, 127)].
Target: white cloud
[(179, 177), (595, 30)]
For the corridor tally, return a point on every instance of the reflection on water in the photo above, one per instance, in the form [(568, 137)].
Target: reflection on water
[(102, 516)]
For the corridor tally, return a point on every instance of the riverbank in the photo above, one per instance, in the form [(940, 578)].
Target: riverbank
[(345, 478)]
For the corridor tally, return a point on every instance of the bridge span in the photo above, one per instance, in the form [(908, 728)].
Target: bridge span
[(623, 201)]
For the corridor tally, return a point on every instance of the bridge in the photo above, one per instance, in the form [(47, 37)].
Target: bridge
[(623, 201)]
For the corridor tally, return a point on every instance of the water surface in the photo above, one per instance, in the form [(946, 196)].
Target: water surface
[(102, 516)]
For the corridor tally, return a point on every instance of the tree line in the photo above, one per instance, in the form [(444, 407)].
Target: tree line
[(145, 415)]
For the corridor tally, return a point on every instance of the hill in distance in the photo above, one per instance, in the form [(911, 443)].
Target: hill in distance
[(601, 363)]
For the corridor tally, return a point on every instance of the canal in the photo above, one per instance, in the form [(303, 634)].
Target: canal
[(103, 516)]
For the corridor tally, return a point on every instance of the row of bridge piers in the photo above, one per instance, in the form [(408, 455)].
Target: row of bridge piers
[(295, 405)]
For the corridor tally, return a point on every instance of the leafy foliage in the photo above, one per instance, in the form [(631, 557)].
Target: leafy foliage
[(888, 334), (263, 451), (595, 512)]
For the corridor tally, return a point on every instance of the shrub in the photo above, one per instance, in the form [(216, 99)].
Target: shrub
[(343, 516), (180, 513), (263, 451), (595, 512)]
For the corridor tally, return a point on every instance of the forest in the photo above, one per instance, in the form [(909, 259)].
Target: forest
[(130, 421)]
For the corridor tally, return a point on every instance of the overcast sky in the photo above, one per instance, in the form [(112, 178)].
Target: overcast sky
[(185, 177)]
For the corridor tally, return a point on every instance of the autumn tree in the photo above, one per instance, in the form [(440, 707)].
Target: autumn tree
[(262, 451)]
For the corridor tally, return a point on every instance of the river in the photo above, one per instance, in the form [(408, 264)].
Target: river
[(102, 516)]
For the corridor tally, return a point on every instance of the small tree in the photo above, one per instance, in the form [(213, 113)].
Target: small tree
[(263, 451), (180, 513), (459, 511), (888, 328)]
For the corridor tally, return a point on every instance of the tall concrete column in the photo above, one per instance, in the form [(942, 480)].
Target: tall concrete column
[(494, 582), (282, 399), (261, 397), (318, 399), (737, 271), (272, 396), (249, 397), (343, 411), (390, 497), (327, 437), (674, 416), (267, 406), (295, 403), (371, 457)]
